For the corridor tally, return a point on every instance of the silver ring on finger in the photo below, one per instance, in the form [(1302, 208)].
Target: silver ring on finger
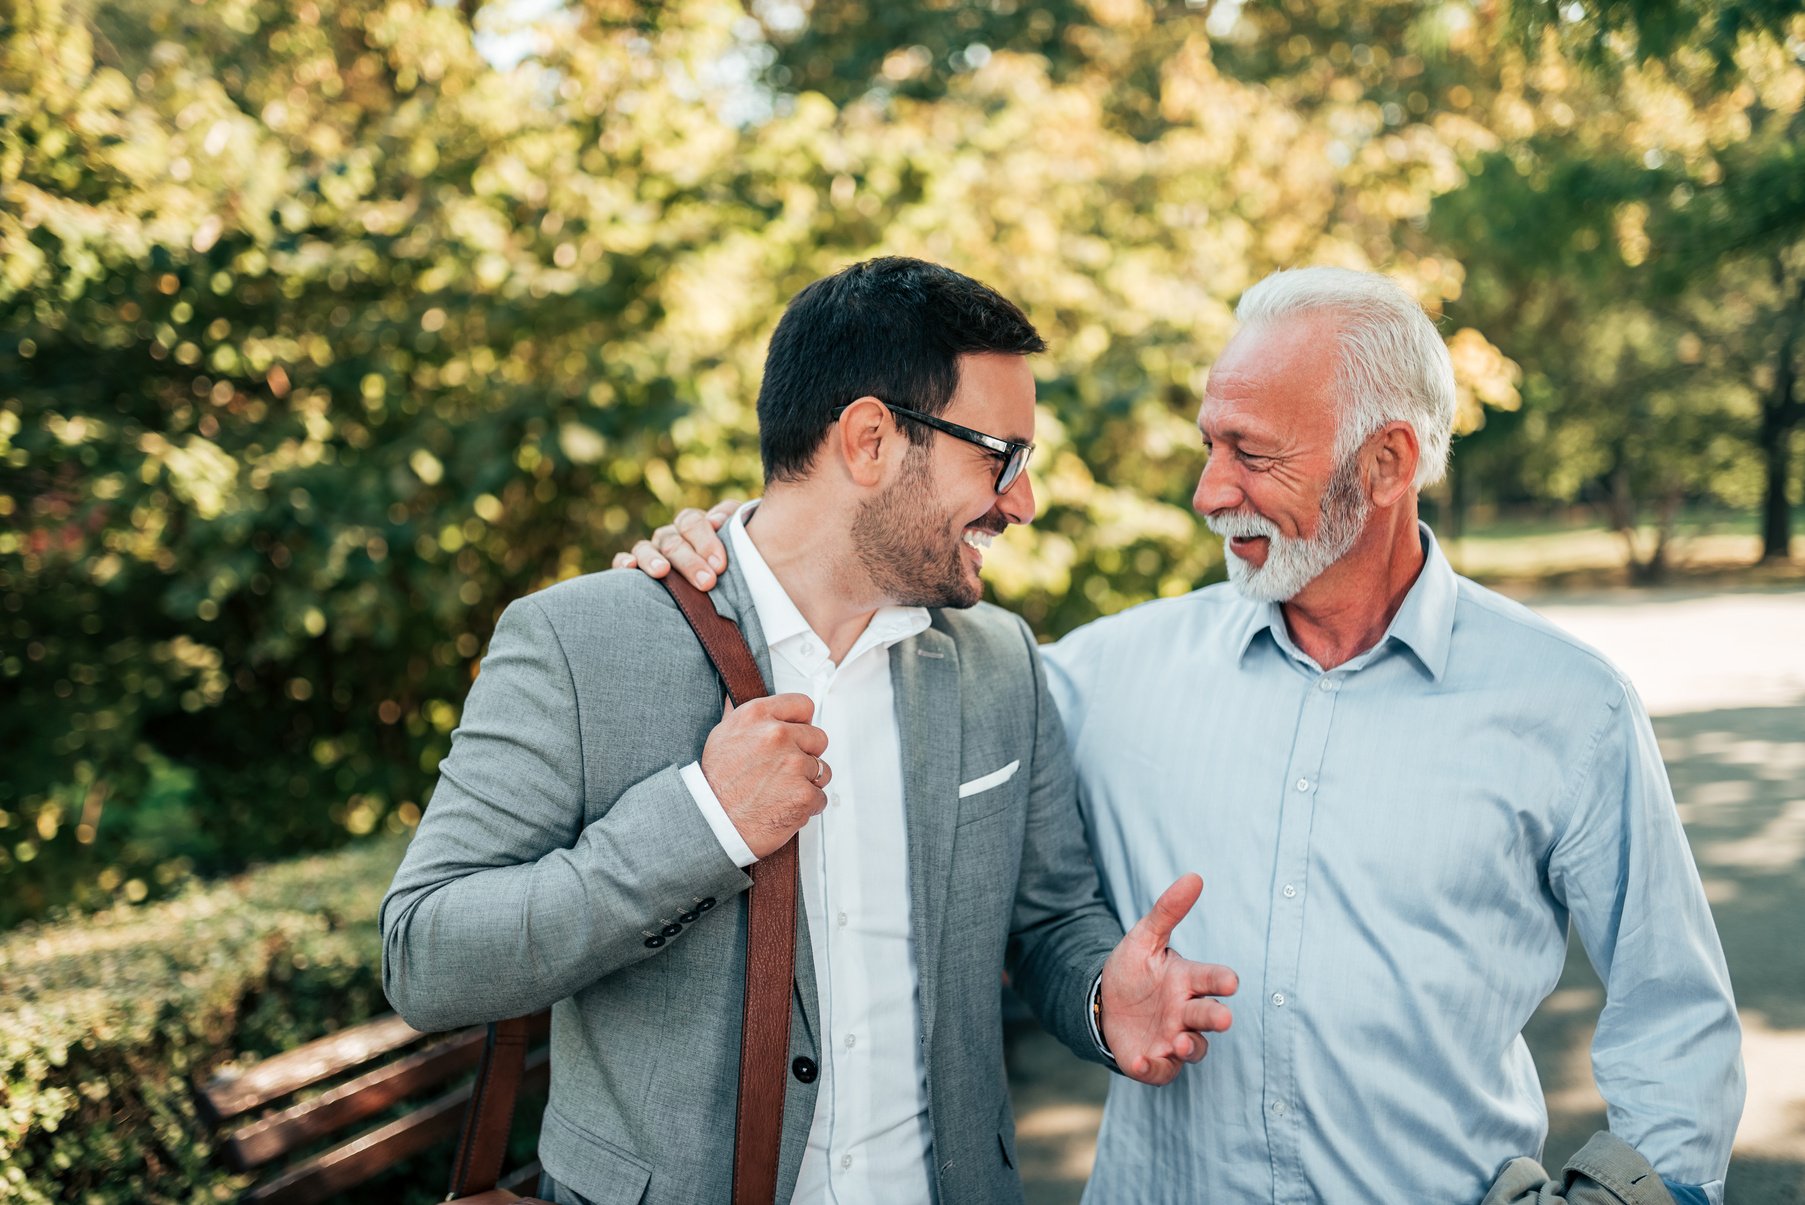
[(820, 767)]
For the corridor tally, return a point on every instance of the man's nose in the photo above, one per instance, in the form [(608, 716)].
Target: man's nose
[(1016, 503), (1216, 488)]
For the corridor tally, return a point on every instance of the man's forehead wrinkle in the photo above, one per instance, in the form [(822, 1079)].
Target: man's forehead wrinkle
[(1233, 419)]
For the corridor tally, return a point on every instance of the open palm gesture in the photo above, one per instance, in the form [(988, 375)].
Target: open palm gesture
[(1157, 1005)]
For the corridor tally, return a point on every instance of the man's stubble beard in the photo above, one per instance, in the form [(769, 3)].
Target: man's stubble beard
[(900, 538), (1292, 564)]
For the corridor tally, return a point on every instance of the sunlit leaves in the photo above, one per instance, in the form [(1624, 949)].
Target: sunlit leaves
[(322, 337)]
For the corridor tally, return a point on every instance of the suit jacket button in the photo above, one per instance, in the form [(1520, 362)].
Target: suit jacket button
[(671, 930), (705, 905), (652, 943), (688, 918), (804, 1069)]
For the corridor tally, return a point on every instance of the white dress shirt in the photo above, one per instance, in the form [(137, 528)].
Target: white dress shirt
[(870, 1140)]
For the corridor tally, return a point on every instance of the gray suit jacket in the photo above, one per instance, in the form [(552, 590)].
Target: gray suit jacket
[(561, 841)]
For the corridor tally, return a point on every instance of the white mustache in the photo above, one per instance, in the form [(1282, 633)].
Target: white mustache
[(1232, 524)]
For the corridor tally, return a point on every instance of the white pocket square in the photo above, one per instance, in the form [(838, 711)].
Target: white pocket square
[(995, 778)]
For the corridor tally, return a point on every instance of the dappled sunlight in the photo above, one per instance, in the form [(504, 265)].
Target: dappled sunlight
[(1059, 1121), (1066, 1137), (1773, 1120), (1777, 847)]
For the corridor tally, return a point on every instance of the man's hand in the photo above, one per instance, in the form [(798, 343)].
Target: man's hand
[(764, 763), (689, 542), (1156, 1005)]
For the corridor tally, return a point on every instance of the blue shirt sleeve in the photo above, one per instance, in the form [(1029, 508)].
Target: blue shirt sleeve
[(1667, 1052)]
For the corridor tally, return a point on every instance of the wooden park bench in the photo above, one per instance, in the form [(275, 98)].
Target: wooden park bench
[(276, 1115)]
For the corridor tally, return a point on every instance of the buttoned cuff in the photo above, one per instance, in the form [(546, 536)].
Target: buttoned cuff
[(1092, 1013), (732, 844)]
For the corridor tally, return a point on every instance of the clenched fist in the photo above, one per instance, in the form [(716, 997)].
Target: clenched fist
[(764, 763)]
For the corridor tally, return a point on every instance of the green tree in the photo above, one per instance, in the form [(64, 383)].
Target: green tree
[(1594, 235), (320, 339)]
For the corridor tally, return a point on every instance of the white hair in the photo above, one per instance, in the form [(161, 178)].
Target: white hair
[(1393, 366)]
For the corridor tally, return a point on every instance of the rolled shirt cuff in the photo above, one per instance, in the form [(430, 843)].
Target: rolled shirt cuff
[(1694, 1194), (732, 844)]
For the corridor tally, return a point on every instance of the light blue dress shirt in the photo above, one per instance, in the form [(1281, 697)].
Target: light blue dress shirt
[(1391, 853)]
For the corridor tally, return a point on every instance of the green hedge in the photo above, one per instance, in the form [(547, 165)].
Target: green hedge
[(105, 1017)]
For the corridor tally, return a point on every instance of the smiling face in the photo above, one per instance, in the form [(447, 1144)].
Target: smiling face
[(922, 539), (1272, 487)]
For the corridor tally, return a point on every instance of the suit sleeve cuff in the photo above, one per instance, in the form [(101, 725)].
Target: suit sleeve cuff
[(1093, 1013), (732, 844)]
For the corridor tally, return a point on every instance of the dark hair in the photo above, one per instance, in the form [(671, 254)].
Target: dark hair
[(892, 328)]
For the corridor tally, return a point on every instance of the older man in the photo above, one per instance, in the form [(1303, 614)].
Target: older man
[(1402, 788)]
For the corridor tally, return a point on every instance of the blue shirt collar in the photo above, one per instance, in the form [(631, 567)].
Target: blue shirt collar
[(1424, 623)]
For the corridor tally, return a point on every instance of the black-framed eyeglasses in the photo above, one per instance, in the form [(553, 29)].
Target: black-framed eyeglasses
[(1011, 453)]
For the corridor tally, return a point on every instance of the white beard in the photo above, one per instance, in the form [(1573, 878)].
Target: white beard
[(1291, 564)]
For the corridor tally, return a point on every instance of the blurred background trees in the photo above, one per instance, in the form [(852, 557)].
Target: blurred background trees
[(327, 328)]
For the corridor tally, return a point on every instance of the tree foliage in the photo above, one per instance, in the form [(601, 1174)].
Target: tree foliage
[(323, 335)]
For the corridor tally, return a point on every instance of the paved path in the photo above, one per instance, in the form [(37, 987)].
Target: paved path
[(1723, 675)]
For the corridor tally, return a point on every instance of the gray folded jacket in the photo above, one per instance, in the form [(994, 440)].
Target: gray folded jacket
[(1606, 1171)]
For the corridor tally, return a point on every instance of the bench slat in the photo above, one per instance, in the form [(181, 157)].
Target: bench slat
[(522, 1182), (233, 1094), (358, 1159), (351, 1102)]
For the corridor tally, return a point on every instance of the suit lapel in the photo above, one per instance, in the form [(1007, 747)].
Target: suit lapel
[(925, 675), (732, 599)]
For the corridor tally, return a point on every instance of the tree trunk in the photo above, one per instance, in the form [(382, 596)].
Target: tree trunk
[(1622, 510), (1776, 507), (1654, 570), (1781, 413)]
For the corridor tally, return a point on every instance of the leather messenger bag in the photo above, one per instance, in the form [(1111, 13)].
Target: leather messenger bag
[(770, 968)]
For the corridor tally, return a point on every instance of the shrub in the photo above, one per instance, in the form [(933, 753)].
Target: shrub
[(106, 1017)]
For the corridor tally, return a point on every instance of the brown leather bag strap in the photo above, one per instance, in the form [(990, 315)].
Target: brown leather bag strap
[(765, 1029), (770, 938), (721, 640), (484, 1143)]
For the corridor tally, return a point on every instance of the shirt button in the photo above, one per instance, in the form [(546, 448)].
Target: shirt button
[(1278, 998), (1326, 684), (852, 1039), (1290, 892), (1278, 1106), (841, 920), (808, 648), (833, 799), (845, 1162), (1303, 784)]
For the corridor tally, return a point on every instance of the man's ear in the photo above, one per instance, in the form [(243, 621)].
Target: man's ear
[(1393, 453), (865, 438)]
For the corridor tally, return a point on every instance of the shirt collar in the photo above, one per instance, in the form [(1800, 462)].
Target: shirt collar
[(1424, 623), (778, 614)]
